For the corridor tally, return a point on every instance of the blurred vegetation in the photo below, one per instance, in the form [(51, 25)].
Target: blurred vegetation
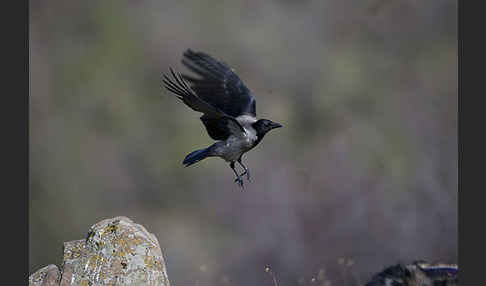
[(364, 168)]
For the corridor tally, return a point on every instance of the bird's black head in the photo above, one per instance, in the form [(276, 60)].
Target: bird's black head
[(262, 126)]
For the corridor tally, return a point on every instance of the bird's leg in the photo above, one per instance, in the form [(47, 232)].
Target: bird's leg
[(238, 177), (247, 171)]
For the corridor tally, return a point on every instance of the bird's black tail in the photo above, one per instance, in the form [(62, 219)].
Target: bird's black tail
[(196, 156)]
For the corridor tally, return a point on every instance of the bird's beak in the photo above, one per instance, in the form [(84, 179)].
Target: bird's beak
[(275, 125)]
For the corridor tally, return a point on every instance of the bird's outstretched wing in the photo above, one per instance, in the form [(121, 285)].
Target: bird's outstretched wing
[(219, 85), (218, 124)]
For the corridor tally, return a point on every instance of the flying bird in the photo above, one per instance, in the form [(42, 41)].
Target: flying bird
[(228, 107)]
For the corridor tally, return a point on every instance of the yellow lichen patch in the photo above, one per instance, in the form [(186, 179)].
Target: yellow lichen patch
[(149, 261), (101, 276), (84, 283), (137, 241), (93, 260), (125, 246), (75, 252), (100, 244), (66, 256), (122, 244), (109, 229), (124, 264)]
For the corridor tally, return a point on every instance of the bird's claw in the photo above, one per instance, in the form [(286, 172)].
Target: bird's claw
[(239, 180), (247, 173)]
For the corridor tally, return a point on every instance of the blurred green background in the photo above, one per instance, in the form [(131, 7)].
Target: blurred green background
[(365, 168)]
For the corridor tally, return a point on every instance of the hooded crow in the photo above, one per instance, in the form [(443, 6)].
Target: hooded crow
[(228, 107)]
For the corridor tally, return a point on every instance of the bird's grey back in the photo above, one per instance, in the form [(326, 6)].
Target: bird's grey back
[(246, 122)]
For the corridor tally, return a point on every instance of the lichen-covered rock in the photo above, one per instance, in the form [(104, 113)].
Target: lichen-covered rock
[(115, 252), (47, 276)]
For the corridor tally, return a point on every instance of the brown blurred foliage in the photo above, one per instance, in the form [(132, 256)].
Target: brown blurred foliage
[(365, 167)]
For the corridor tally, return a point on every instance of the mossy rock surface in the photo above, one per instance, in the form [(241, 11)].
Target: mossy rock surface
[(116, 251)]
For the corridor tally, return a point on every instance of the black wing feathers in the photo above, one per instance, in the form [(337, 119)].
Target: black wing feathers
[(218, 124), (218, 84), (221, 128), (179, 87)]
